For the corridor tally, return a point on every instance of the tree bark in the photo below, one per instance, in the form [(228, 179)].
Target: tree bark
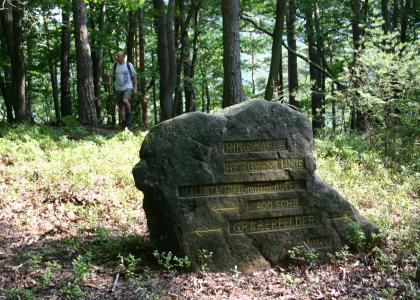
[(232, 79), (276, 53), (292, 58), (186, 59), (314, 74), (355, 115), (53, 74), (405, 6), (85, 88), (142, 69), (132, 20), (97, 53), (163, 60), (5, 91), (30, 45), (20, 63), (171, 47), (12, 16), (386, 14), (66, 105)]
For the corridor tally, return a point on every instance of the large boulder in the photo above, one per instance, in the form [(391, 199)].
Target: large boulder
[(241, 184)]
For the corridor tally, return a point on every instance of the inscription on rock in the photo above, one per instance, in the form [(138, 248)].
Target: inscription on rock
[(261, 205), (240, 188), (254, 146), (272, 224), (264, 165), (241, 184)]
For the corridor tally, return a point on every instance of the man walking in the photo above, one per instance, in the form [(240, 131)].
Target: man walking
[(125, 84)]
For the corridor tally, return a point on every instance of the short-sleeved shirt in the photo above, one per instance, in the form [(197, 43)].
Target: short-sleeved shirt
[(122, 76)]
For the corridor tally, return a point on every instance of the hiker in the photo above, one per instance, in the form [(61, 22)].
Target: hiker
[(125, 84)]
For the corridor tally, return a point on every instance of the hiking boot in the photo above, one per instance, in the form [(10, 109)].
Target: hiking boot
[(128, 120)]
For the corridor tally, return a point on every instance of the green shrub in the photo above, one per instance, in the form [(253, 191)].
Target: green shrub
[(204, 256), (170, 261), (302, 255), (355, 236)]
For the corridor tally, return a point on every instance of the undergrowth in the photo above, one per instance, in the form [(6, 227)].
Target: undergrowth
[(76, 186)]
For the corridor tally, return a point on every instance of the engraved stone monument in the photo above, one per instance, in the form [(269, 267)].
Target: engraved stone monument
[(241, 184)]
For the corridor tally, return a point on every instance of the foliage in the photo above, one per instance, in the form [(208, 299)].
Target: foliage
[(340, 256), (73, 291), (388, 94), (51, 268), (82, 266), (355, 236), (204, 256), (129, 265), (39, 188), (302, 255), (18, 294), (170, 261), (235, 271)]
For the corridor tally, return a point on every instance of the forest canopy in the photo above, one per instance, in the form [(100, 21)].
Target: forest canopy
[(349, 65)]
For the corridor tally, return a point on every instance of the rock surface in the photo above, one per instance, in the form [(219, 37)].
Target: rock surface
[(241, 184)]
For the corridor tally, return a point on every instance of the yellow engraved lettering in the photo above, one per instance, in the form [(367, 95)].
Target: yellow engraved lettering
[(278, 224), (252, 226), (274, 224), (244, 227), (237, 227), (260, 225), (267, 224), (311, 221)]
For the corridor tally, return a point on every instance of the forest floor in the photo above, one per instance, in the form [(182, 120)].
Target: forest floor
[(72, 226)]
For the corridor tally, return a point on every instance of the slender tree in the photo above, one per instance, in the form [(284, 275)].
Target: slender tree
[(85, 88), (97, 23), (163, 60), (142, 69), (314, 73), (53, 73), (232, 79), (273, 81), (65, 105), (11, 17), (292, 58)]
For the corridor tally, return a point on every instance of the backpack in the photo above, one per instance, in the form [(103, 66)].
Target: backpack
[(128, 67)]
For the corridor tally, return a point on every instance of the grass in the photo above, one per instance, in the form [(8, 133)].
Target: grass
[(71, 216)]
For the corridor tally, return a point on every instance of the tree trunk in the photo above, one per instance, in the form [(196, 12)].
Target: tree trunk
[(396, 12), (273, 81), (85, 88), (186, 60), (405, 5), (163, 60), (30, 45), (171, 47), (66, 105), (292, 58), (386, 14), (132, 20), (232, 79), (208, 98), (356, 121), (320, 79), (178, 107), (19, 73), (314, 74), (142, 69), (53, 74), (5, 91), (97, 53)]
